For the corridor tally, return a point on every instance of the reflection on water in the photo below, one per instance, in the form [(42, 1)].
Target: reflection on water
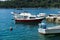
[(35, 24), (50, 37), (22, 31), (33, 30), (26, 31), (26, 25)]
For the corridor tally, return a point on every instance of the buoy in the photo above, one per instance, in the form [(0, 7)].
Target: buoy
[(11, 28)]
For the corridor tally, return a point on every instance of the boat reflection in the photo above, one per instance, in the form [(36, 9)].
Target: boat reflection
[(27, 23), (50, 37)]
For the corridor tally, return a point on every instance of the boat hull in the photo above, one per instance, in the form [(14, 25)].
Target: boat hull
[(29, 21), (49, 31)]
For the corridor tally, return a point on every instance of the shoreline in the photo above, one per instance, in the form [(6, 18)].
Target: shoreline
[(32, 8)]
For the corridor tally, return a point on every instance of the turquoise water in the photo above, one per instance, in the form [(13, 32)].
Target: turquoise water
[(23, 31)]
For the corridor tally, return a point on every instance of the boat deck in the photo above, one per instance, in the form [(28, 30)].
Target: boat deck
[(55, 27)]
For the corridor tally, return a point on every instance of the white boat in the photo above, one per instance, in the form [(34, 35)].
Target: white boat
[(51, 18), (48, 30), (43, 15), (27, 18)]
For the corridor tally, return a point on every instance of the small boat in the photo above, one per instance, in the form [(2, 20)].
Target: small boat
[(51, 18), (48, 30), (27, 18), (41, 15)]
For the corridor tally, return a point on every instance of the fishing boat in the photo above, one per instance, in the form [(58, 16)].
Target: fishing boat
[(27, 18), (43, 29)]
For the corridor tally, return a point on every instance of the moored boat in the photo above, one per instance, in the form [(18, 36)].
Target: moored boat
[(27, 18), (43, 29), (53, 18)]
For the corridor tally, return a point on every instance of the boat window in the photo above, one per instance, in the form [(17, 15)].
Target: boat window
[(25, 17), (43, 26), (32, 17), (51, 15), (20, 16)]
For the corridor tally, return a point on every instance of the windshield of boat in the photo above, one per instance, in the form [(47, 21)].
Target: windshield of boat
[(32, 17), (52, 15), (25, 17)]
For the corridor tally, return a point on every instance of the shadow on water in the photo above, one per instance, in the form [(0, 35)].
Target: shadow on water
[(34, 24), (26, 25), (50, 37)]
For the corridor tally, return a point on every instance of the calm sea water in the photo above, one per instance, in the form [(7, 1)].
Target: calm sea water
[(23, 31)]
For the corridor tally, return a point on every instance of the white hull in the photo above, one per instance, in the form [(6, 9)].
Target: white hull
[(51, 30), (47, 31)]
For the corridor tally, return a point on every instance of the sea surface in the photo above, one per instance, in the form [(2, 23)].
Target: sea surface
[(24, 31)]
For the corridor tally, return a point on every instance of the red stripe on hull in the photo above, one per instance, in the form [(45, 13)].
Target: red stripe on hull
[(30, 21)]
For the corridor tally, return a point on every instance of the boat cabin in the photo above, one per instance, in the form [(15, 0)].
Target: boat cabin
[(25, 16), (52, 15), (42, 25)]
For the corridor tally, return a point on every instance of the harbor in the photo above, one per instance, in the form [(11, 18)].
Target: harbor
[(11, 31), (29, 19), (26, 17)]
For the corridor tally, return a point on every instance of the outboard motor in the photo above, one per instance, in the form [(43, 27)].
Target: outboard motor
[(42, 25)]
